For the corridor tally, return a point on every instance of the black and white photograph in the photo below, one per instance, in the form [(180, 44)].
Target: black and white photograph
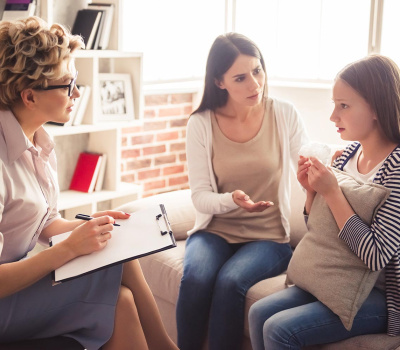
[(116, 102)]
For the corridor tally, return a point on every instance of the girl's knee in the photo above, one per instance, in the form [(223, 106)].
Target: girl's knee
[(272, 331), (256, 316), (271, 326), (278, 332)]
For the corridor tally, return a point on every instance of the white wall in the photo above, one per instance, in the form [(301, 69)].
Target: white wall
[(315, 106)]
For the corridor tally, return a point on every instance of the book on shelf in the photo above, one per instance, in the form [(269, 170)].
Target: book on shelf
[(108, 15), (2, 6), (86, 24), (100, 178), (145, 232), (15, 9), (86, 172), (95, 29), (85, 91), (99, 29)]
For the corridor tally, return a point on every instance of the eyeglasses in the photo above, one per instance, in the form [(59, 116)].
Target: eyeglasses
[(70, 86)]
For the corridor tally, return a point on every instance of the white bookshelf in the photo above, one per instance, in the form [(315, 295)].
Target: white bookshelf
[(64, 11), (92, 135)]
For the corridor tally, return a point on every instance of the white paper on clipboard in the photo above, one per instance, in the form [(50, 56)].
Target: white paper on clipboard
[(147, 231)]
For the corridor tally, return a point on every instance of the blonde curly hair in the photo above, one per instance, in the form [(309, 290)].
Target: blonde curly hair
[(31, 53)]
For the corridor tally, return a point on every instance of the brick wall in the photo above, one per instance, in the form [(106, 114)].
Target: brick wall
[(153, 154)]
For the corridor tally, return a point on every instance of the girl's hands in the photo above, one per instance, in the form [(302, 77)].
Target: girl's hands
[(302, 174), (321, 178), (244, 201)]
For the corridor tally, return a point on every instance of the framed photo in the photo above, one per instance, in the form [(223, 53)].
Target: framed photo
[(116, 99)]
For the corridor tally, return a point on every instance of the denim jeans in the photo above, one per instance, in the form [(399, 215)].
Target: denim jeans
[(216, 278), (293, 318)]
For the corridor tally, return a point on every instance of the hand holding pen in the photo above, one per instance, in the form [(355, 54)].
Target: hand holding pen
[(91, 236), (88, 217)]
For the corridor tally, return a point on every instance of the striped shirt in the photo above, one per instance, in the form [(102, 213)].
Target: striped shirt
[(378, 245)]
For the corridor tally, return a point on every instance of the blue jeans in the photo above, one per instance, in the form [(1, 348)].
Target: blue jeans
[(216, 277), (293, 318)]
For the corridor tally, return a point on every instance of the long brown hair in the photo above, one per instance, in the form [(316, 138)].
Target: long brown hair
[(377, 79), (223, 53)]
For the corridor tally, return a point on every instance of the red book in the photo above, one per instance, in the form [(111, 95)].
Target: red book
[(86, 172)]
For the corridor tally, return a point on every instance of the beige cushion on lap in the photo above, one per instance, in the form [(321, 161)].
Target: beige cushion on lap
[(324, 265)]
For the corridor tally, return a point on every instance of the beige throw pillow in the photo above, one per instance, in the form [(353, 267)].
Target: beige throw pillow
[(324, 265)]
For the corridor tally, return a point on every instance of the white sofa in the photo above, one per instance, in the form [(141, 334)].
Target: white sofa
[(163, 270)]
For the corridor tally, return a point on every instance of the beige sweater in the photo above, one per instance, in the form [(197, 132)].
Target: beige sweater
[(254, 167), (205, 196)]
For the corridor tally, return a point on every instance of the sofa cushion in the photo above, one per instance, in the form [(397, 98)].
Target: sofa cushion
[(362, 342), (324, 265), (179, 207), (163, 272)]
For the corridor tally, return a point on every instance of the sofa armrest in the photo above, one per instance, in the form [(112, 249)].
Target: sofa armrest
[(179, 207)]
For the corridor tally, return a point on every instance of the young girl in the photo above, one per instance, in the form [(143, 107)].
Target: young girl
[(241, 146), (112, 308), (366, 95)]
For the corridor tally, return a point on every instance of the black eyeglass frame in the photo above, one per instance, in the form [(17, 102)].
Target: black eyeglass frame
[(71, 86)]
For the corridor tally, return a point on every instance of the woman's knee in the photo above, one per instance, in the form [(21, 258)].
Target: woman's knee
[(196, 285), (229, 281), (199, 275), (125, 301)]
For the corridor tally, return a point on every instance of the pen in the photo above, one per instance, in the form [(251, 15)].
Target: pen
[(87, 218)]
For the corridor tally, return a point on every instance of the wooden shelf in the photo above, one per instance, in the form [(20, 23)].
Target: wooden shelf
[(73, 202), (56, 130), (69, 199), (92, 135)]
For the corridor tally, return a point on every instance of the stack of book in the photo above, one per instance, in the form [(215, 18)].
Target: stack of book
[(15, 9), (94, 25), (89, 172)]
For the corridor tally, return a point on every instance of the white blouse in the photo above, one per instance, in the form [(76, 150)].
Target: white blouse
[(28, 190)]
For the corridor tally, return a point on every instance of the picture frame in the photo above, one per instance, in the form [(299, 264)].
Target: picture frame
[(115, 97)]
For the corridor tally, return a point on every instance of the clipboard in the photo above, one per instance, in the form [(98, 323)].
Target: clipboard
[(146, 232)]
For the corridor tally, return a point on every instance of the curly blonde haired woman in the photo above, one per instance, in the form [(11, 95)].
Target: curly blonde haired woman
[(112, 308)]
